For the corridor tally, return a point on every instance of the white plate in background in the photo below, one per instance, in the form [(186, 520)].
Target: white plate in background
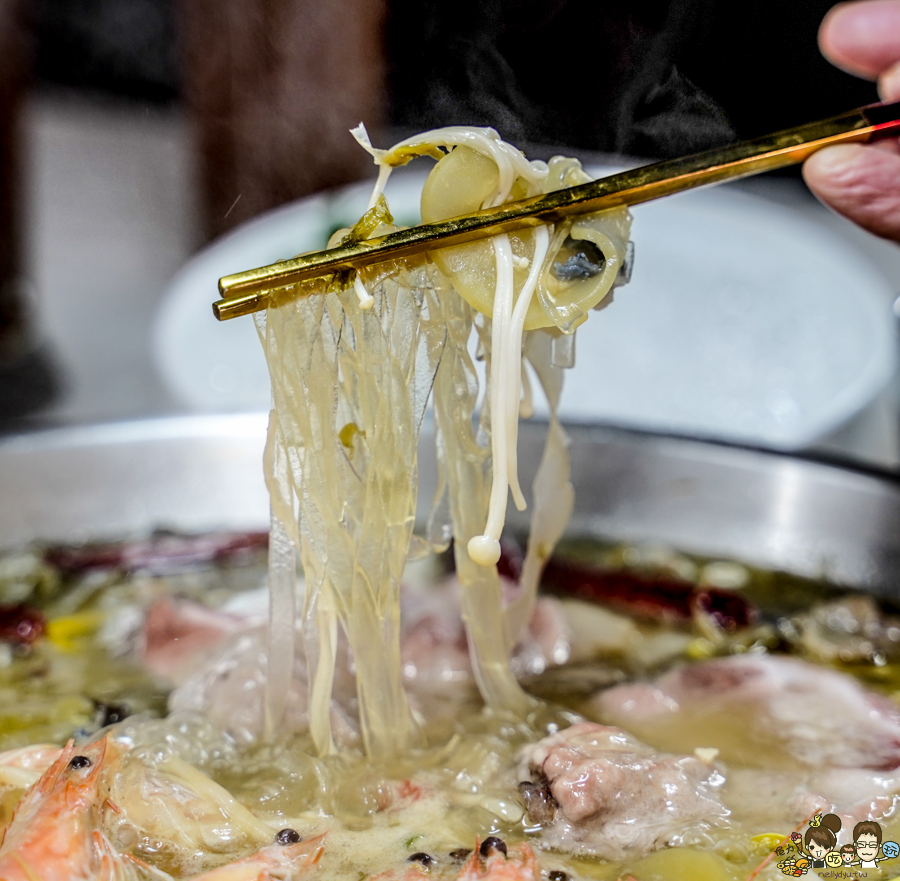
[(745, 320)]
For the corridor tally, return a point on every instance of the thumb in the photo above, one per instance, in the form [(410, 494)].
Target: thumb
[(861, 182)]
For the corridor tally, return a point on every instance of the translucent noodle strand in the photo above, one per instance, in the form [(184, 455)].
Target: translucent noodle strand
[(350, 388), (464, 468)]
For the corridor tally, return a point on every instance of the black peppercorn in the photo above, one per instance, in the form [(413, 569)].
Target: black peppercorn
[(288, 836), (426, 859), (491, 844)]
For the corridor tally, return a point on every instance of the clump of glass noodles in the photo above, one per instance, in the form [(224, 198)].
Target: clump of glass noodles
[(353, 364)]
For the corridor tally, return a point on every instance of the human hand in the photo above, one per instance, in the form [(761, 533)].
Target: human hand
[(862, 181)]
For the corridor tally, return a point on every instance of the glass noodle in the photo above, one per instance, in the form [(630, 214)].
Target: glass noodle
[(353, 363)]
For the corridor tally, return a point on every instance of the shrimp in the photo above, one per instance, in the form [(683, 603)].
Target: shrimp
[(53, 835), (491, 861), (23, 767), (38, 756), (177, 812), (272, 863), (415, 871)]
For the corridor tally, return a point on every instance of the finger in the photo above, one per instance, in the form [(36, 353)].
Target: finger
[(862, 38), (861, 182), (889, 84)]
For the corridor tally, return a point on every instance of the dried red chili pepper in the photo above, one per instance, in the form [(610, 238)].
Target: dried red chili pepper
[(20, 624), (160, 553), (654, 596)]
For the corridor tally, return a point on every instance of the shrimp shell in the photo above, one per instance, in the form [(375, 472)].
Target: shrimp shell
[(272, 863), (53, 835)]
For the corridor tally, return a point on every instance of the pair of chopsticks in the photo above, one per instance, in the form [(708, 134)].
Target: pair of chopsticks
[(246, 292)]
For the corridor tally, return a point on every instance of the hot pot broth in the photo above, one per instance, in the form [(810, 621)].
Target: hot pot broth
[(416, 708), (103, 609)]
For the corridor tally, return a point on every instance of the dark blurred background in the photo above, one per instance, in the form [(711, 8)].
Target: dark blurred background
[(132, 131), (572, 72), (638, 77)]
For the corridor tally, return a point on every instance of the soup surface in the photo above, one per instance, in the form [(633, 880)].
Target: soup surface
[(411, 705), (688, 715)]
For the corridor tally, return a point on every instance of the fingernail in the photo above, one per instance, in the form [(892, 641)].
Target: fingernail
[(889, 84), (831, 160)]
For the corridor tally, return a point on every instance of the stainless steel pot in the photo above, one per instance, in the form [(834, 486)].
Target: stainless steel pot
[(199, 473)]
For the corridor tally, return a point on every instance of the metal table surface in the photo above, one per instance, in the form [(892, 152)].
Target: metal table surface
[(205, 472)]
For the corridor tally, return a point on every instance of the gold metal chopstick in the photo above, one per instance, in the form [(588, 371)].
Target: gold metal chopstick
[(246, 292)]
